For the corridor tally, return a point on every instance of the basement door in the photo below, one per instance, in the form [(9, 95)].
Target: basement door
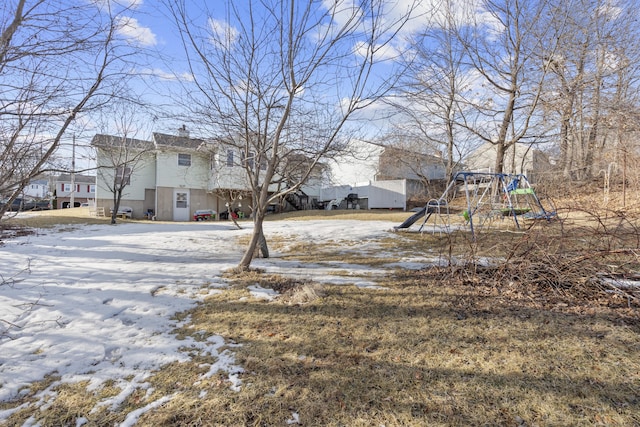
[(180, 204)]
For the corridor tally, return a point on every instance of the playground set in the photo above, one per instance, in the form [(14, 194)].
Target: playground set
[(487, 197)]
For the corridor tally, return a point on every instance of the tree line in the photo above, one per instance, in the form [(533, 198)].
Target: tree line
[(561, 76)]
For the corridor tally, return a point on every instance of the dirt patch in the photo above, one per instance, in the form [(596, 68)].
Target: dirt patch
[(10, 231)]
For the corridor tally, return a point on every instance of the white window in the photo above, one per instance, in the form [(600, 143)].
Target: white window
[(184, 159), (66, 188), (92, 188), (181, 200), (229, 157)]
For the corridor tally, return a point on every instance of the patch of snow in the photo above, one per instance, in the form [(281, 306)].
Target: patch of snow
[(262, 293), (622, 283), (295, 418), (98, 303), (133, 416)]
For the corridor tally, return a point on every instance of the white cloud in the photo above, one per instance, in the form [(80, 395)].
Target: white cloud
[(380, 52), (437, 14), (134, 4), (128, 4), (610, 10), (222, 33), (118, 4), (131, 29), (165, 75)]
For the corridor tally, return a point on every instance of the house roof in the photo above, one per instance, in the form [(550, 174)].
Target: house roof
[(175, 141), (65, 177), (106, 141)]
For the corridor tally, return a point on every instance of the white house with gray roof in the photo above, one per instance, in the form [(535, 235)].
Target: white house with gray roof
[(173, 175)]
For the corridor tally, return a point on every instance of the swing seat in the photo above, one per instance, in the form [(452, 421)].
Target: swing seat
[(522, 191), (516, 211)]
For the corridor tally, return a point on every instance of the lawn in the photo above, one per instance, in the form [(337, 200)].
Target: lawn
[(513, 327)]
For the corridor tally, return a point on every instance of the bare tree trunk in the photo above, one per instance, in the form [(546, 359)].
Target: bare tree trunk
[(233, 218), (499, 165), (594, 131), (258, 243)]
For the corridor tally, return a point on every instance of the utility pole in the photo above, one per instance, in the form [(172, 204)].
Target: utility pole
[(73, 172)]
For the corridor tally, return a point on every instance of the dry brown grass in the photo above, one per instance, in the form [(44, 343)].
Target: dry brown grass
[(50, 218), (28, 223), (532, 338), (428, 351)]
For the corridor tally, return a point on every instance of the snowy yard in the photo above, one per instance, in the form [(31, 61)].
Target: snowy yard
[(97, 303), (106, 325)]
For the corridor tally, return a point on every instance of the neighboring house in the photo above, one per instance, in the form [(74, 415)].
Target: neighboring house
[(518, 159), (366, 161), (37, 189), (176, 176), (396, 163), (382, 177), (171, 176), (358, 163), (83, 189)]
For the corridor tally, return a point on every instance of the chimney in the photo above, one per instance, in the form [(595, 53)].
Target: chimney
[(183, 132)]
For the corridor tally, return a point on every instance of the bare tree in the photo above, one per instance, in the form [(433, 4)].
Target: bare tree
[(505, 53), (232, 197), (594, 85), (58, 61), (431, 96), (280, 79), (120, 157)]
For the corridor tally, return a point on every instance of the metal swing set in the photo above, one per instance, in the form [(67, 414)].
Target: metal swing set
[(488, 197)]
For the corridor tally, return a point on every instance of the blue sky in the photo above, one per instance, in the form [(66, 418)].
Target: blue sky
[(148, 25)]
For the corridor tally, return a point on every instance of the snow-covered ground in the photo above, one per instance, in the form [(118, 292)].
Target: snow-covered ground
[(97, 303)]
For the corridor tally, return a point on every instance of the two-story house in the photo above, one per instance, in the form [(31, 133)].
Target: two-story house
[(171, 175), (81, 187)]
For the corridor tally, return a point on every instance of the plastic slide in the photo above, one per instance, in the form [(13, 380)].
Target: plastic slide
[(413, 218)]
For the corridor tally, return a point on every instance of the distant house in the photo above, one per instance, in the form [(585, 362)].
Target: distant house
[(518, 159), (383, 177), (82, 187), (37, 189), (396, 163)]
